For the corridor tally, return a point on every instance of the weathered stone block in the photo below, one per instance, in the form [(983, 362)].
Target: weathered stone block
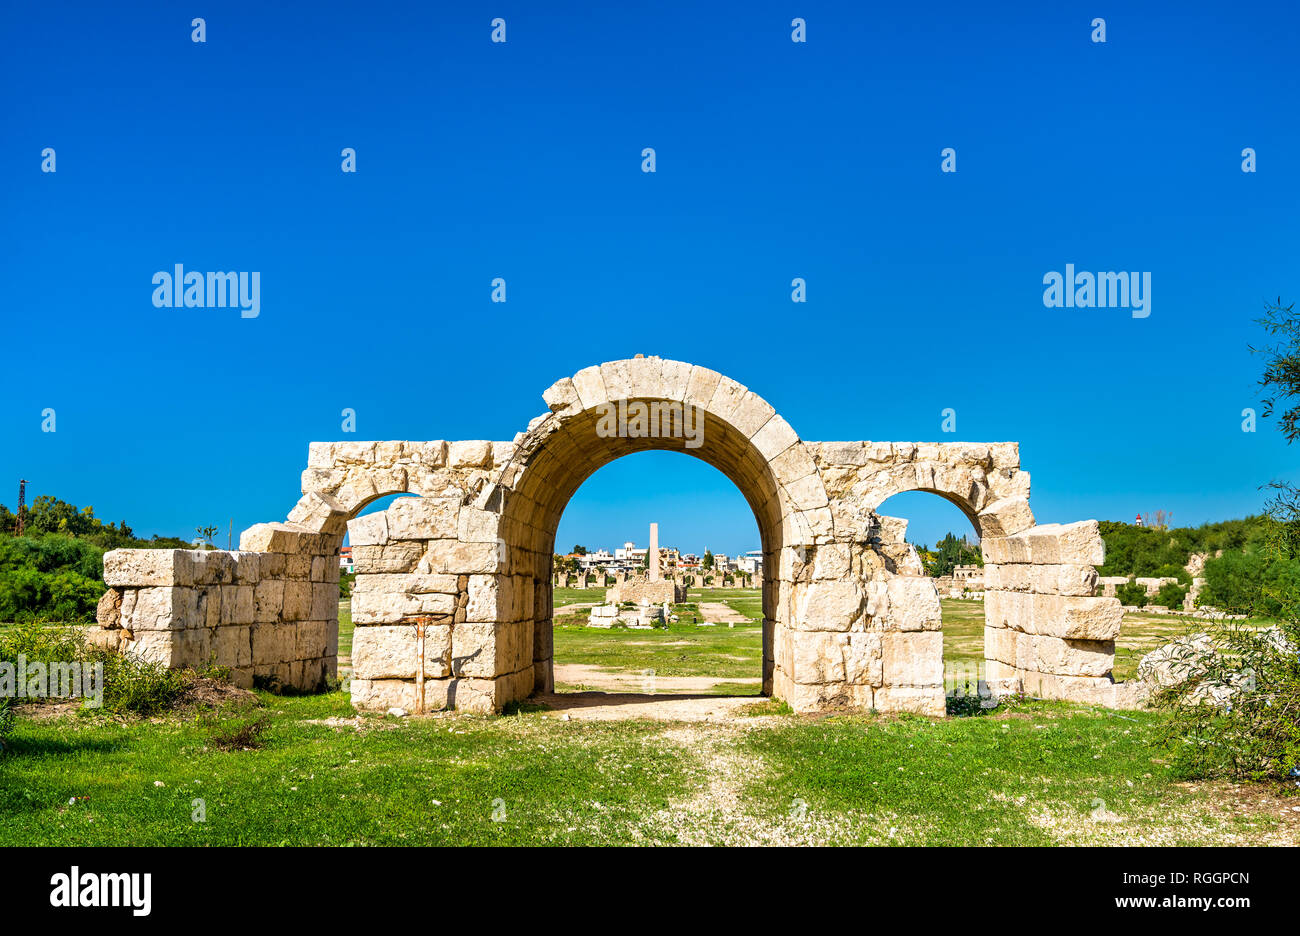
[(912, 658)]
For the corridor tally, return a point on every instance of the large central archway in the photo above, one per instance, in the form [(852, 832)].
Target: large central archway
[(607, 412)]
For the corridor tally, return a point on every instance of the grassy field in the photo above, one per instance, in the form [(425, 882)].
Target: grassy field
[(687, 650), (315, 772), (1045, 773)]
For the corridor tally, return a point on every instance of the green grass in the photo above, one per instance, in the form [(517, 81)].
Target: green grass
[(1034, 776), (1047, 774), (568, 596), (345, 628), (313, 784), (678, 650)]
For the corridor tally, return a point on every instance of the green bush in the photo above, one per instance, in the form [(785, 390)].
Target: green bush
[(1131, 593), (1171, 596), (1252, 732), (130, 686)]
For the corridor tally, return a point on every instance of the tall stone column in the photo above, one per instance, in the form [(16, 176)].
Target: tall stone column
[(654, 552)]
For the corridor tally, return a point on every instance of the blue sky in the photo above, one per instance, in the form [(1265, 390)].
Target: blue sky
[(522, 160)]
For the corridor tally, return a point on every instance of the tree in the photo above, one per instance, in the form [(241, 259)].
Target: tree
[(708, 559), (1280, 384), (1255, 732), (579, 550), (949, 553), (206, 533)]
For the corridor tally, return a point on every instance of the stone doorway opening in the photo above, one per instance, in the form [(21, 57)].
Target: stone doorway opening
[(678, 635), (926, 534)]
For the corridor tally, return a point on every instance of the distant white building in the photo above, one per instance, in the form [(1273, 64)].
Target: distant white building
[(751, 562)]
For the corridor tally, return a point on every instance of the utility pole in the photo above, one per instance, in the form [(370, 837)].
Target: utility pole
[(22, 506)]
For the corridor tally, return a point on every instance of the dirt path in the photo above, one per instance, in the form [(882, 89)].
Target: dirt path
[(584, 674), (716, 612), (620, 706)]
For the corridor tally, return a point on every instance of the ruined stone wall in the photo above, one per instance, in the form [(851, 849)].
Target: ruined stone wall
[(268, 611), (452, 605)]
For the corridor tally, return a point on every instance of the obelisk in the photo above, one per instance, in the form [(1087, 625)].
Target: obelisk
[(654, 552)]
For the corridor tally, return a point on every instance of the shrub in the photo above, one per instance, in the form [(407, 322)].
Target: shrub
[(1171, 595), (1131, 593), (130, 685), (1252, 730)]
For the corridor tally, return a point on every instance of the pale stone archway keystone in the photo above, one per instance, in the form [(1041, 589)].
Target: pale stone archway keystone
[(452, 600)]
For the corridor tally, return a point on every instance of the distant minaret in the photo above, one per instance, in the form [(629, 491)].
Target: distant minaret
[(654, 552)]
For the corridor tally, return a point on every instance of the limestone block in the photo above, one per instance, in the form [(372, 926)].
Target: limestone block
[(1076, 617), (392, 607), (384, 652), (379, 695), (470, 454), (1072, 657), (297, 601), (478, 526), (146, 567), (562, 398), (818, 657), (273, 643), (618, 380), (451, 556), (591, 387), (354, 453), (1005, 454), (319, 512), (320, 455), (676, 377), (750, 414), (422, 518), (828, 606), (433, 454), (1000, 644), (476, 696), (830, 562), (237, 604), (913, 658), (405, 583), (248, 567), (155, 609), (544, 675), (271, 565), (1094, 690), (154, 646), (917, 700), (268, 600), (1072, 617), (371, 529), (393, 558), (913, 604), (108, 613), (324, 601), (701, 386), (192, 648), (233, 646), (277, 538), (1006, 517), (864, 659)]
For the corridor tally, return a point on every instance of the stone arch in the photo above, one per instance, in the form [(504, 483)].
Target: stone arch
[(723, 423), (452, 602)]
